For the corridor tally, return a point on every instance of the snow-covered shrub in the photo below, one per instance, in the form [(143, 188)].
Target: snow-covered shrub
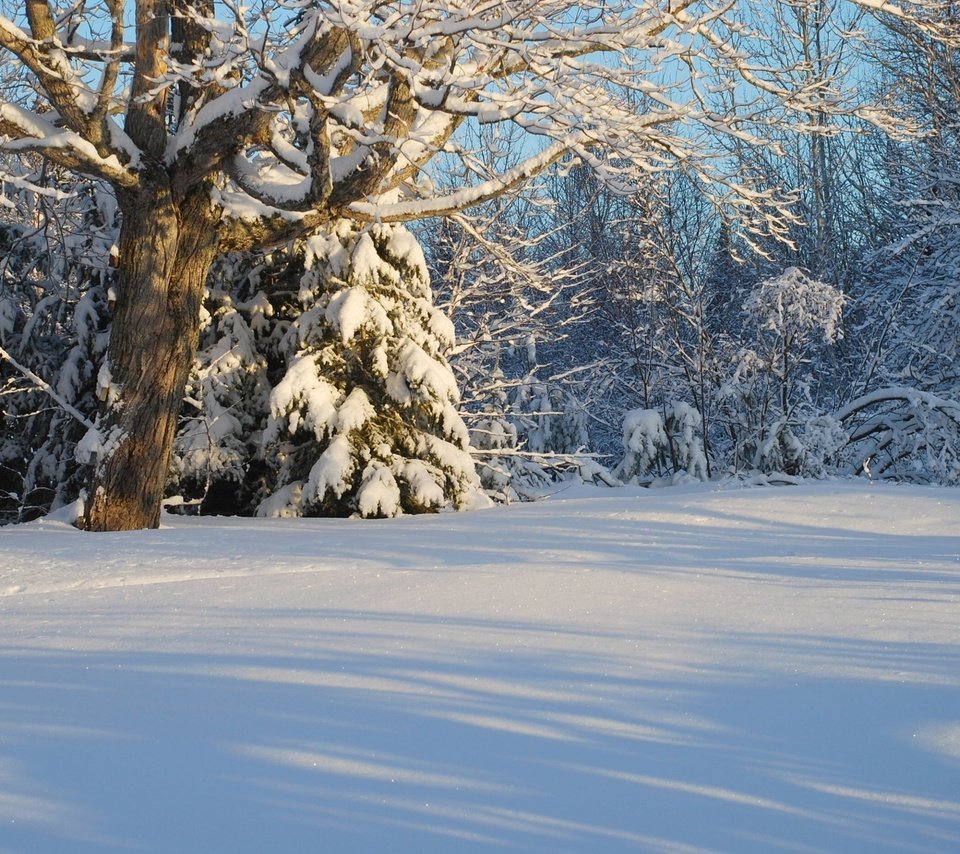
[(770, 392), (823, 441), (683, 426), (553, 421), (512, 441), (494, 440), (662, 443), (904, 433), (645, 444), (364, 417), (493, 437)]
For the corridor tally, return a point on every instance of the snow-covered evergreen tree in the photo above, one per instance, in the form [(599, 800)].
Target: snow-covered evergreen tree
[(55, 237), (217, 450), (364, 419)]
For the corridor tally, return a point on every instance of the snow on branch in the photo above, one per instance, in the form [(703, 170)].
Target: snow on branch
[(935, 18), (32, 132), (462, 198), (333, 109), (912, 397), (905, 433), (48, 389), (44, 55)]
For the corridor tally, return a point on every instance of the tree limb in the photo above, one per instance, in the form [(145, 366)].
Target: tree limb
[(46, 388)]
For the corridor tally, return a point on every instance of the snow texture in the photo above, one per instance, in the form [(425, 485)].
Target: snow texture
[(307, 397), (705, 668)]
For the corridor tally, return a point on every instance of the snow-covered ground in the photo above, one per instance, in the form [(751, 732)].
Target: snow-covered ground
[(690, 669)]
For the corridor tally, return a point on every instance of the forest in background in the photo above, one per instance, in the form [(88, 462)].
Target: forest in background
[(576, 330)]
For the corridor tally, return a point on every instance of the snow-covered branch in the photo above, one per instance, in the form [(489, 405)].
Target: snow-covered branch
[(47, 389), (935, 18), (460, 199), (28, 131)]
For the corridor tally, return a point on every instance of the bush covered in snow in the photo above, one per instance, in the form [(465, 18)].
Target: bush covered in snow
[(904, 434), (528, 436), (790, 320), (662, 444)]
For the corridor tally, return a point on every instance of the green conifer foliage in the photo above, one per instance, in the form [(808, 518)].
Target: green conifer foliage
[(364, 419)]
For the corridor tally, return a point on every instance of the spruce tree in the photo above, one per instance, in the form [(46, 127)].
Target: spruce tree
[(364, 419)]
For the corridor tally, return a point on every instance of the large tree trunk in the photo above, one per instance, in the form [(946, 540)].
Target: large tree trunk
[(166, 249)]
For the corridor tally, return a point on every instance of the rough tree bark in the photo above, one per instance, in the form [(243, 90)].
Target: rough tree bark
[(166, 249)]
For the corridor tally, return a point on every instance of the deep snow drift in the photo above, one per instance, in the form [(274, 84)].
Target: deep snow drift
[(699, 668)]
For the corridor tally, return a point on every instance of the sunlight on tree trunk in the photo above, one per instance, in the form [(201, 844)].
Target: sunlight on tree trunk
[(165, 255)]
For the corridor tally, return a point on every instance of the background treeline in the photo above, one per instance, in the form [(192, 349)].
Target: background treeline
[(656, 337)]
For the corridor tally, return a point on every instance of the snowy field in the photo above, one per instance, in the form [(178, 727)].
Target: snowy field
[(691, 669)]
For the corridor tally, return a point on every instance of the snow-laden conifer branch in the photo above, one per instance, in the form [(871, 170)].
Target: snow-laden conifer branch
[(47, 389)]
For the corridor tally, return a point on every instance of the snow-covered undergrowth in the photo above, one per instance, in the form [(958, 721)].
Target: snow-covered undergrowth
[(700, 668)]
